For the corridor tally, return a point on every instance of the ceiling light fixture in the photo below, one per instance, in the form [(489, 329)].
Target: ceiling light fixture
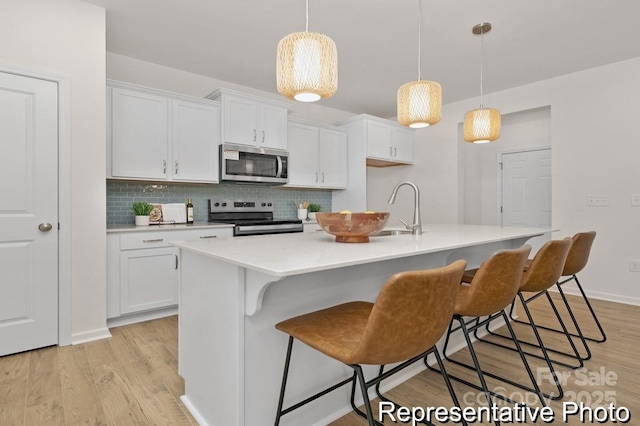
[(419, 102), (483, 124), (307, 65)]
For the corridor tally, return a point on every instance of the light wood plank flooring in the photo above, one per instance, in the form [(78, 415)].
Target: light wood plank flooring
[(131, 379)]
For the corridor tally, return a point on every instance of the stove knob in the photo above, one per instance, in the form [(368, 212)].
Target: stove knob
[(264, 204), (269, 204), (224, 204)]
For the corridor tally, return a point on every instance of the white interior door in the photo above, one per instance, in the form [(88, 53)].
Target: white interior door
[(28, 213), (526, 189)]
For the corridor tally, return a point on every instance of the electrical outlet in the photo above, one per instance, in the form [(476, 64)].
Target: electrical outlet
[(597, 200), (634, 265), (635, 200)]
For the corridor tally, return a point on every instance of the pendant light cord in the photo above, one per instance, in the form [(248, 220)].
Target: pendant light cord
[(306, 28), (419, 34), (481, 62)]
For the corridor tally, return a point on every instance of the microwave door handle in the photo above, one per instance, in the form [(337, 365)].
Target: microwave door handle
[(279, 160)]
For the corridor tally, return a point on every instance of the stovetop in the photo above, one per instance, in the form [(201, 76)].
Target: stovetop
[(251, 217)]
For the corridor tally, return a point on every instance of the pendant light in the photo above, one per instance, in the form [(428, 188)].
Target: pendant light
[(307, 65), (420, 101), (483, 124)]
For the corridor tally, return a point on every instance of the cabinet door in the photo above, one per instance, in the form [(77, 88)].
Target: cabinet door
[(333, 159), (195, 140), (148, 279), (139, 135), (378, 140), (240, 121), (402, 145), (303, 155), (272, 126)]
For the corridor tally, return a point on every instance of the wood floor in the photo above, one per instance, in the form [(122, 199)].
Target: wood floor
[(131, 379)]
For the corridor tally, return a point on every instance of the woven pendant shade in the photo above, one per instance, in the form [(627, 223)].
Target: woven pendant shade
[(307, 66), (482, 125), (419, 103)]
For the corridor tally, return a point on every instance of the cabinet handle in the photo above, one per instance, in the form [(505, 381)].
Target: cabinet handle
[(395, 152), (176, 260), (208, 236), (263, 136), (176, 172), (316, 177), (322, 177), (155, 240), (255, 135), (164, 166), (390, 152)]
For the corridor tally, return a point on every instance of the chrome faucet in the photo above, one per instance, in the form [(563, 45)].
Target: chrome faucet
[(416, 226)]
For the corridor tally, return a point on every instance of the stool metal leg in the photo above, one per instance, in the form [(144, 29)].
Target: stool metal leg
[(365, 394), (284, 380)]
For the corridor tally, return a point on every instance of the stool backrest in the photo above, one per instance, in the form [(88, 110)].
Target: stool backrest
[(579, 253), (411, 313), (495, 284), (546, 266)]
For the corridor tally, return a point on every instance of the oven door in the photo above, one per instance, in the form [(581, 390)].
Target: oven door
[(246, 164)]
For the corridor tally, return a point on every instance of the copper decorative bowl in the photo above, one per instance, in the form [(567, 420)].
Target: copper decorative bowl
[(352, 227)]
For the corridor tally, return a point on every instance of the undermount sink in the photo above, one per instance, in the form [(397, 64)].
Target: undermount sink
[(390, 232)]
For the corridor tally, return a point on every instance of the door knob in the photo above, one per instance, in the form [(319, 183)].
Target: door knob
[(45, 227)]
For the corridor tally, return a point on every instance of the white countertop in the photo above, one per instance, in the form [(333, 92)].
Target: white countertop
[(291, 254), (168, 227)]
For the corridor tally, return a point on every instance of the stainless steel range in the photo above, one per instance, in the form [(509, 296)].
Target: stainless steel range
[(251, 217)]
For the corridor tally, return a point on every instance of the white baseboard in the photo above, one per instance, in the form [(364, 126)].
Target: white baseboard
[(90, 336), (192, 409), (142, 316), (599, 295)]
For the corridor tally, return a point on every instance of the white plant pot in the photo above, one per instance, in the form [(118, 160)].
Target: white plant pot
[(312, 216), (142, 220)]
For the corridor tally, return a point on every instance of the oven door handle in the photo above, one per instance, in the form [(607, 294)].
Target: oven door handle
[(279, 170)]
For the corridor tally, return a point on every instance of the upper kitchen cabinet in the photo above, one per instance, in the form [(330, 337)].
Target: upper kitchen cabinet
[(253, 121), (387, 142), (317, 156), (373, 141), (157, 135)]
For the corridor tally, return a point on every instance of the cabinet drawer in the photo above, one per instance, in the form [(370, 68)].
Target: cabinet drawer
[(143, 240)]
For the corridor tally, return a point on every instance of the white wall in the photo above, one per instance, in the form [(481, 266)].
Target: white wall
[(595, 147), (67, 38)]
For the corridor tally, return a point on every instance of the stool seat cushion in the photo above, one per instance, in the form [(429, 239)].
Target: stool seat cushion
[(335, 331)]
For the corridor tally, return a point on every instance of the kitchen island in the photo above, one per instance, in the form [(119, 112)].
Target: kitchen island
[(234, 290)]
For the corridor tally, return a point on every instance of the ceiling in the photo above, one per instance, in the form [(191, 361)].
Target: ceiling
[(236, 40)]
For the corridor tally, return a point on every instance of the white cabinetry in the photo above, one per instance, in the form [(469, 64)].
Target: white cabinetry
[(143, 272), (373, 141), (161, 136), (253, 121), (387, 143), (317, 156)]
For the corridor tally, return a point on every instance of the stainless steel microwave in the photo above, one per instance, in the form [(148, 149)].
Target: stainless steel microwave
[(239, 163)]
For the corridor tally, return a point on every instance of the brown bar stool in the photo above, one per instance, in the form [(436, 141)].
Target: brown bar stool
[(541, 274), (576, 261), (410, 315), (492, 289)]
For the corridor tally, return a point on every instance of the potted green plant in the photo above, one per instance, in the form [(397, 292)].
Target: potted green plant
[(313, 209), (141, 209)]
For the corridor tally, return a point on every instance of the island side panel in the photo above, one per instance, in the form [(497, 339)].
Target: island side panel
[(212, 339)]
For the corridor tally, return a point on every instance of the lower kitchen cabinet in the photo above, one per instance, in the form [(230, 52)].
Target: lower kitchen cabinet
[(148, 279), (143, 272)]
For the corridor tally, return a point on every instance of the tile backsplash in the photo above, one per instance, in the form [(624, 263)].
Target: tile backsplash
[(121, 194)]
